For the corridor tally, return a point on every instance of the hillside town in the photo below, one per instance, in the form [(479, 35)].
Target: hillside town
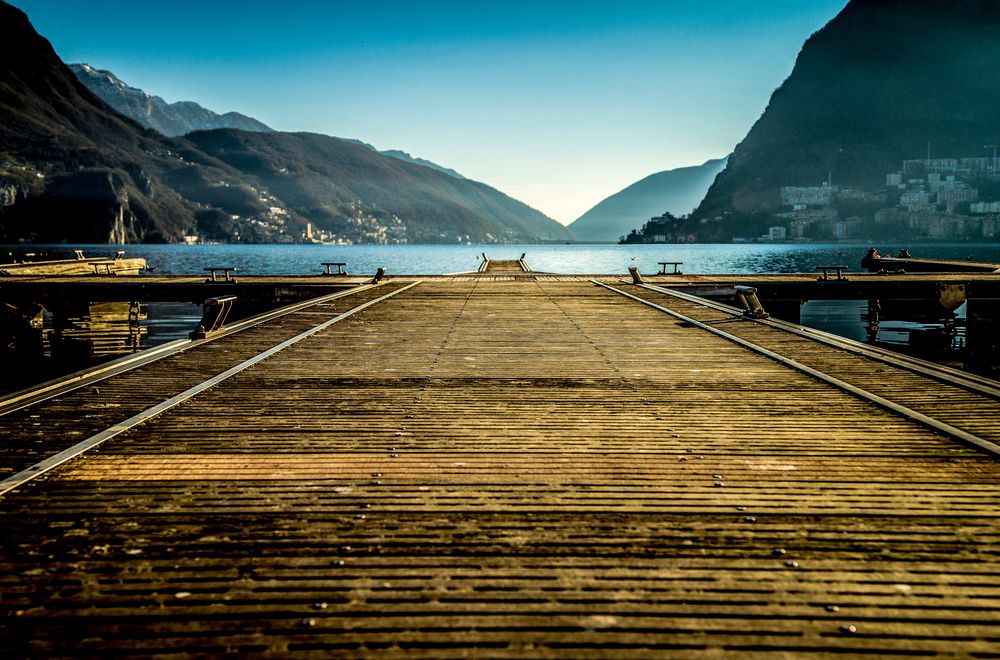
[(954, 199)]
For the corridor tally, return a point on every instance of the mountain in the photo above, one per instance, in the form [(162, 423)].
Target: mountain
[(676, 191), (182, 117), (875, 86), (336, 183), (73, 169), (153, 112), (402, 155)]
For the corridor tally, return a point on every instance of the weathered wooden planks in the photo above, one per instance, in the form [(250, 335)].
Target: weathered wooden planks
[(951, 404), (512, 469), (29, 435)]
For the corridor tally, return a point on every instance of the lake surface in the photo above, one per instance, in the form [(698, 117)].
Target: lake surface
[(438, 259)]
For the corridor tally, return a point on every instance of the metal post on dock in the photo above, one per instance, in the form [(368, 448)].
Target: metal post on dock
[(873, 318), (214, 314), (747, 295), (636, 277)]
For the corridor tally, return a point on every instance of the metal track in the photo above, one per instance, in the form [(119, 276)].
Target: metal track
[(979, 384), (946, 429), (19, 479), (51, 389)]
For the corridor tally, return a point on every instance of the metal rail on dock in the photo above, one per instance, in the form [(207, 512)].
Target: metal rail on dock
[(941, 373), (953, 432), (64, 384), (40, 468)]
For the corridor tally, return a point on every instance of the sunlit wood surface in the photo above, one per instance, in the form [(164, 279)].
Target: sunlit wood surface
[(495, 467)]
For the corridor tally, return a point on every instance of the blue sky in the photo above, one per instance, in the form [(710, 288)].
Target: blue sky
[(556, 103)]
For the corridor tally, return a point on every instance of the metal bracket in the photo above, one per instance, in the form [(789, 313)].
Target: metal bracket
[(213, 317), (226, 270), (752, 309), (329, 264), (825, 277)]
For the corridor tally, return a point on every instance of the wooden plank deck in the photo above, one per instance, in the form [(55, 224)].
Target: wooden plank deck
[(802, 286), (508, 468), (30, 434)]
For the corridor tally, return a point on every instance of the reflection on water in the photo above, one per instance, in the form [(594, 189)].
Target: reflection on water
[(48, 345), (939, 341), (168, 321), (101, 331), (841, 317)]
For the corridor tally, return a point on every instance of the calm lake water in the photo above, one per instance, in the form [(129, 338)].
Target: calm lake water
[(110, 329), (437, 259)]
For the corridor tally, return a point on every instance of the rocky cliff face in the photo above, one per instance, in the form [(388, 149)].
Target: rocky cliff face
[(875, 86), (171, 119)]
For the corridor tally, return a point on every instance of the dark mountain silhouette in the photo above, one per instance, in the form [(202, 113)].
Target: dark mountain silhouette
[(872, 88), (676, 191), (60, 145), (74, 169), (171, 119)]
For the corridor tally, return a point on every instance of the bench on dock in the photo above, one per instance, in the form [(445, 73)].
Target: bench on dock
[(221, 269), (825, 277), (675, 264), (330, 264)]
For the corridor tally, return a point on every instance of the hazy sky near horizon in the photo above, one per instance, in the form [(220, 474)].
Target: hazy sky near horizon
[(558, 104)]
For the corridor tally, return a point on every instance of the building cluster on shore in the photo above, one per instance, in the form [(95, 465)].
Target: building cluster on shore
[(934, 198)]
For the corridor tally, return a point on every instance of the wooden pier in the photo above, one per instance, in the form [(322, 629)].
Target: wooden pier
[(506, 464), (81, 265)]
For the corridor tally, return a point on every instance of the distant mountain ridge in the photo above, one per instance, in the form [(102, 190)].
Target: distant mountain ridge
[(676, 191), (878, 84), (183, 117), (322, 178), (171, 119), (73, 169), (402, 155)]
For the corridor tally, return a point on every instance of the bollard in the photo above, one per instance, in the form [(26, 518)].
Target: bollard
[(752, 309), (213, 317), (636, 277), (379, 274)]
